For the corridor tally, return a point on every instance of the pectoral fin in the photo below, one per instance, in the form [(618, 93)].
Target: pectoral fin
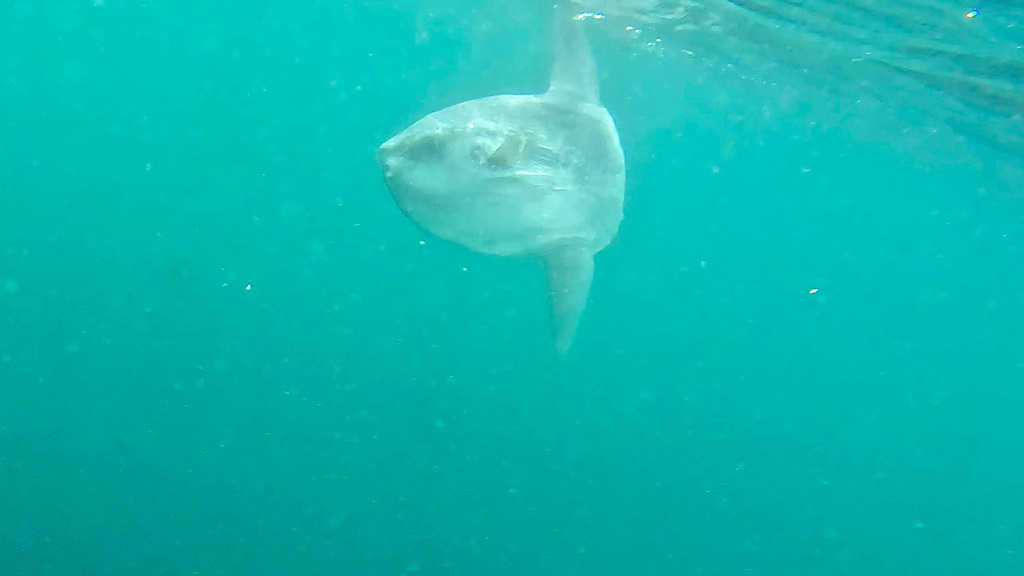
[(509, 153), (570, 271)]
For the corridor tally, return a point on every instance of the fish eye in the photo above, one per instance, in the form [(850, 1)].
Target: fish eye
[(478, 154)]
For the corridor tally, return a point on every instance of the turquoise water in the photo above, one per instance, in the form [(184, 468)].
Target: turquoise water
[(223, 350)]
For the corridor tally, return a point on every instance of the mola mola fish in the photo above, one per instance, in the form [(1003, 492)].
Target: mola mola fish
[(529, 175)]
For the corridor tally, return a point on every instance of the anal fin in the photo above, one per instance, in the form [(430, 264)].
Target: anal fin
[(570, 270)]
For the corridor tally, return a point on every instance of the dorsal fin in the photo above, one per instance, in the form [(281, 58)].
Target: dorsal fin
[(574, 73)]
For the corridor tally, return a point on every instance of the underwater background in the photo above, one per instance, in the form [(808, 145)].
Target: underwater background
[(224, 350)]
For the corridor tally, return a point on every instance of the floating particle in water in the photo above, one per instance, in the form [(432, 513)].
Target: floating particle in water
[(972, 14)]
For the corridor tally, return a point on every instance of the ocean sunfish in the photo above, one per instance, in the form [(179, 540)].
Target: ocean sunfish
[(532, 175)]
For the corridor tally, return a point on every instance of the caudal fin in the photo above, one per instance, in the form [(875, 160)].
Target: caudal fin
[(570, 271)]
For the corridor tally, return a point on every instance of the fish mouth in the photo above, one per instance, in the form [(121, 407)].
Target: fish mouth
[(382, 156), (388, 162), (385, 160)]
